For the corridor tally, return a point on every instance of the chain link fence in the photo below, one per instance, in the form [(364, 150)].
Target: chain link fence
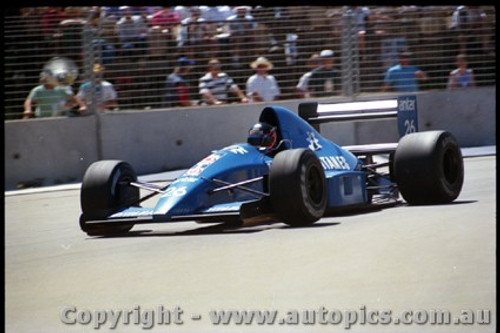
[(365, 42)]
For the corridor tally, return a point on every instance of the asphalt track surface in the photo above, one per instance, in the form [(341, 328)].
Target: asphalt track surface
[(404, 258)]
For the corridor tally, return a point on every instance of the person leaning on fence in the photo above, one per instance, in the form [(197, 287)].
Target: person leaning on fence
[(104, 92), (403, 76), (215, 86), (302, 87), (177, 87), (461, 77), (50, 98), (262, 87), (325, 80)]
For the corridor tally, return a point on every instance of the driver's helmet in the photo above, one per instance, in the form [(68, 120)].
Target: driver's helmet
[(262, 135)]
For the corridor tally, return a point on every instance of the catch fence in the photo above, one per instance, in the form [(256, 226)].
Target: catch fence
[(287, 36)]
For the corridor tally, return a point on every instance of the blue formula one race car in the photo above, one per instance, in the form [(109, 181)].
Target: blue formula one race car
[(285, 172)]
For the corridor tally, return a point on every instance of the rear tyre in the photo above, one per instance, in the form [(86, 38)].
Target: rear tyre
[(297, 187), (105, 189), (428, 167)]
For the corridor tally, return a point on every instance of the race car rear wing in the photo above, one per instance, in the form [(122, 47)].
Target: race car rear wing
[(404, 108)]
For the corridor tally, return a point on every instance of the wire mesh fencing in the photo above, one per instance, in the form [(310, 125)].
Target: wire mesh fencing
[(140, 46)]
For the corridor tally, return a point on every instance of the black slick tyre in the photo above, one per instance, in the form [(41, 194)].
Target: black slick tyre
[(428, 167), (297, 187), (105, 190)]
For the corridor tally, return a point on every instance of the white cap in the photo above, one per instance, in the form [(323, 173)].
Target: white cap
[(326, 54), (246, 8)]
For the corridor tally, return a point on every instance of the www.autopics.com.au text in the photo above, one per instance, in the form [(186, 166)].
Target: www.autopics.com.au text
[(148, 318)]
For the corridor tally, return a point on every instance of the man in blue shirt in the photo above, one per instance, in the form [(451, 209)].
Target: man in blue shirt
[(177, 86), (403, 76)]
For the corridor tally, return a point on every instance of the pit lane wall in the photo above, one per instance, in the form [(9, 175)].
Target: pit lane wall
[(52, 151)]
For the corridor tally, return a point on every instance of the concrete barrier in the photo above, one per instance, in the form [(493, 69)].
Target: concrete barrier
[(469, 114), (163, 140), (50, 151)]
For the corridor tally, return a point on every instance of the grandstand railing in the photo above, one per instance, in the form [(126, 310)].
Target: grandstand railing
[(287, 36)]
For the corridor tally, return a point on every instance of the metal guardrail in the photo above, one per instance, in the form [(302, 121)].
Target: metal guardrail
[(287, 36)]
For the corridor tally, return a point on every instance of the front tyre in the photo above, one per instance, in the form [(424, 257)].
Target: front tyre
[(297, 187), (428, 167), (105, 189)]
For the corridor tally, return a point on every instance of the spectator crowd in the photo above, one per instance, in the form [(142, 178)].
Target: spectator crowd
[(208, 55)]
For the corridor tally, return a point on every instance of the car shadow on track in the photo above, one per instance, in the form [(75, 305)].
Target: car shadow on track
[(217, 229), (456, 202), (228, 229)]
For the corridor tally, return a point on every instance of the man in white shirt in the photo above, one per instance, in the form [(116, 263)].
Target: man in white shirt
[(104, 93), (215, 85), (262, 87)]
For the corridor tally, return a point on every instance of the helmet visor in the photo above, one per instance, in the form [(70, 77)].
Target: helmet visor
[(257, 136)]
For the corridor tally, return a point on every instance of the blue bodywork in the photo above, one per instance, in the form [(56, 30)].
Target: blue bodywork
[(192, 194)]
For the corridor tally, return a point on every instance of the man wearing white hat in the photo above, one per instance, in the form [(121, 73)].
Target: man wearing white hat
[(262, 87), (302, 87)]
